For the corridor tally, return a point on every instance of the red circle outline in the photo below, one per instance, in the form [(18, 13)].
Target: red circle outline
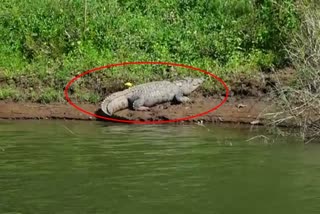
[(145, 122)]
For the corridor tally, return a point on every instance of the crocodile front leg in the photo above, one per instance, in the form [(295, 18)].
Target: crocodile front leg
[(138, 105), (182, 99)]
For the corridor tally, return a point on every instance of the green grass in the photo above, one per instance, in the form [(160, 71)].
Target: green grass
[(6, 93), (48, 42)]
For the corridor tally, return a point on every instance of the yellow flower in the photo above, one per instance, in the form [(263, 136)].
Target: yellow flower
[(128, 84)]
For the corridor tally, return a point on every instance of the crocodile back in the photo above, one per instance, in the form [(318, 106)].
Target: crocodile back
[(154, 92)]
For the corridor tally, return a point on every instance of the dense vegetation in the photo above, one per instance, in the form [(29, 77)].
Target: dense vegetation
[(44, 43), (300, 102)]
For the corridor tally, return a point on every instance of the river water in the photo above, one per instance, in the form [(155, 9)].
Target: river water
[(97, 167)]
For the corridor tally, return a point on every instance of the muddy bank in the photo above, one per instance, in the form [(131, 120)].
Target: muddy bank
[(249, 99), (247, 110)]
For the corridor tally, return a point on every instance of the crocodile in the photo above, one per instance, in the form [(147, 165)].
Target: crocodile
[(146, 95)]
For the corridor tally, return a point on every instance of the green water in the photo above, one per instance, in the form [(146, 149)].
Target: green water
[(95, 167)]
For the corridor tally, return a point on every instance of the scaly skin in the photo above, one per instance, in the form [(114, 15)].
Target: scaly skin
[(143, 96)]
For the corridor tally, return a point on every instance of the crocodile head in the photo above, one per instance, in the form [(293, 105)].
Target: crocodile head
[(188, 85)]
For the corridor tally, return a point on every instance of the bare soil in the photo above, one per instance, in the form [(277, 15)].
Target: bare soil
[(235, 110), (249, 100)]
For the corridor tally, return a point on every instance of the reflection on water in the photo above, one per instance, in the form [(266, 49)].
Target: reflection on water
[(96, 167)]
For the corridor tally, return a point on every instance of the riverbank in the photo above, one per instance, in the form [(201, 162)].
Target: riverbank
[(249, 98), (247, 110)]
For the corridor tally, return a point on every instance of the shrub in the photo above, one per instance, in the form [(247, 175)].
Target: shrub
[(301, 102)]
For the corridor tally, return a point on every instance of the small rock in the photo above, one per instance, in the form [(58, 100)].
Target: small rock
[(200, 122), (241, 105), (255, 122)]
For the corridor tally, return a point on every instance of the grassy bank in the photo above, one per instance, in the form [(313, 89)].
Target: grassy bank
[(43, 43)]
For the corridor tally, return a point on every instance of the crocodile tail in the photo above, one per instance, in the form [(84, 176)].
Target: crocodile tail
[(115, 102)]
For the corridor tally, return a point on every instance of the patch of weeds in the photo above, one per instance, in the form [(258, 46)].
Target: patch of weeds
[(90, 97), (7, 92), (49, 95)]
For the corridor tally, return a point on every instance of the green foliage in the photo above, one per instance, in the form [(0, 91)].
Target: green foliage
[(6, 93), (49, 95), (62, 38)]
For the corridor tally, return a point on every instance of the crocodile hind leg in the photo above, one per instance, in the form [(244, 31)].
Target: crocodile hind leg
[(138, 105)]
